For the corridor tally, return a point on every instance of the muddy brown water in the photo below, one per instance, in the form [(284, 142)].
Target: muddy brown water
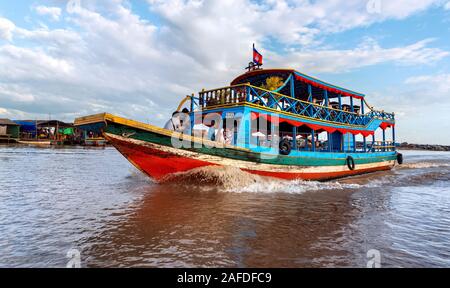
[(93, 200)]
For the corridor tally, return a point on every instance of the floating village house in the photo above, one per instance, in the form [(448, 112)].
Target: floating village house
[(52, 130), (9, 131)]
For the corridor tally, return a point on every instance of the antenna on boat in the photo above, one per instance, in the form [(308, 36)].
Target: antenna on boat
[(257, 61)]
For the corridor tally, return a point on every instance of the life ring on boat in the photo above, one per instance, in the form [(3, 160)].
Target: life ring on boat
[(285, 147), (350, 163), (400, 158)]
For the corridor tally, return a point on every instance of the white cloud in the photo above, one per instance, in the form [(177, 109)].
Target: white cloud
[(53, 12), (290, 22), (14, 92), (28, 64), (110, 59), (421, 106), (6, 29), (447, 6), (436, 85), (367, 54)]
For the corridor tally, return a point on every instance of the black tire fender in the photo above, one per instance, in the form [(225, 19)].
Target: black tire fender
[(399, 158), (285, 147), (350, 163)]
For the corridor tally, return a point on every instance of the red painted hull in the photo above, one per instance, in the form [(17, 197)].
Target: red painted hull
[(159, 164), (156, 163), (317, 176)]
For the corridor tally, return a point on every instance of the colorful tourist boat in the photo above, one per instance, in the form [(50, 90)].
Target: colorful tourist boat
[(272, 122)]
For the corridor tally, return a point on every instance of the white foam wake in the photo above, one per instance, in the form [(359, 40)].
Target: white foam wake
[(231, 179), (423, 165), (292, 187)]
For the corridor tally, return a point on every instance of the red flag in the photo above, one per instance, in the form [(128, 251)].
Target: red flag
[(257, 57)]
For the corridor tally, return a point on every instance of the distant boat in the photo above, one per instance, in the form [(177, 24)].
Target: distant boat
[(294, 112), (95, 142), (36, 142)]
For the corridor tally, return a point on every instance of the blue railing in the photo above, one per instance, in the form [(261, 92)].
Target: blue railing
[(248, 94), (382, 115)]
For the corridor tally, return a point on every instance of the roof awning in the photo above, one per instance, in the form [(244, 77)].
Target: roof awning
[(300, 77), (8, 122), (326, 86), (385, 125), (315, 127)]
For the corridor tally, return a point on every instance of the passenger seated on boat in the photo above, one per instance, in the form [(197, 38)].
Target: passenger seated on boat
[(332, 111), (185, 121), (346, 107), (212, 131), (228, 134), (301, 142), (220, 135), (241, 94), (174, 123), (316, 142), (318, 102), (211, 102)]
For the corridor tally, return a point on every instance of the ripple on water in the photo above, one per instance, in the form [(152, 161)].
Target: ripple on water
[(54, 199)]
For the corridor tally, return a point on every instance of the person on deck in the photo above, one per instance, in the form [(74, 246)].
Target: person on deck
[(185, 120), (228, 136), (174, 123), (212, 131)]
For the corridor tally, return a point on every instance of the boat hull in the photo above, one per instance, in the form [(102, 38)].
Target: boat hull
[(151, 150), (35, 142), (160, 162)]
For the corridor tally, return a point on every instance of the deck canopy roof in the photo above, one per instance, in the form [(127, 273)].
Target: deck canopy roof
[(8, 122), (256, 78), (54, 123)]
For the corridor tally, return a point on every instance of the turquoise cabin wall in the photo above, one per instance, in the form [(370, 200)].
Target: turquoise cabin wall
[(348, 144), (336, 141), (374, 124), (244, 129)]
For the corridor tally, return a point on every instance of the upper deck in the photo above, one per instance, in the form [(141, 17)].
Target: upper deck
[(298, 99)]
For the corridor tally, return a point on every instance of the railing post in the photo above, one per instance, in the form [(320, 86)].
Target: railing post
[(202, 98), (292, 86), (364, 144), (330, 142), (247, 91), (373, 141), (192, 114), (309, 93), (393, 137), (294, 136), (354, 142), (352, 109)]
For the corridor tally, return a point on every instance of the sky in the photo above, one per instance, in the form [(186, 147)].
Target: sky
[(64, 59)]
